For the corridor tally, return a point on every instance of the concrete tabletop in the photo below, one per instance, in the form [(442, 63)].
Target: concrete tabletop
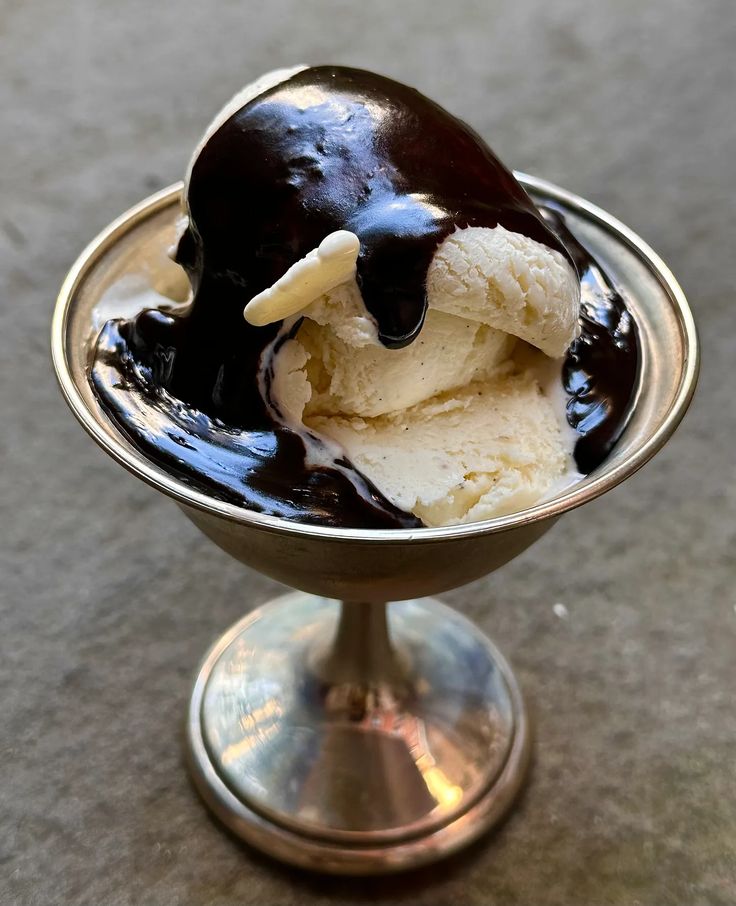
[(110, 597)]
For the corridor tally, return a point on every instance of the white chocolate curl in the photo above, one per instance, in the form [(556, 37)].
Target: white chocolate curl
[(317, 273)]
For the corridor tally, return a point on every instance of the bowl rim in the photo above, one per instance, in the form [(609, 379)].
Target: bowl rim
[(568, 499)]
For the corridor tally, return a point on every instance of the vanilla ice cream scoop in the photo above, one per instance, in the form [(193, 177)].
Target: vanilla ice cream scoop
[(455, 426), (490, 275), (486, 287), (509, 282), (485, 449)]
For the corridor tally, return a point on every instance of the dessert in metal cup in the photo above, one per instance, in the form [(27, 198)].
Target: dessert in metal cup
[(393, 367)]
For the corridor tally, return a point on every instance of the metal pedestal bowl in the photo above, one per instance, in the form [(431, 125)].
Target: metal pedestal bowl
[(356, 737)]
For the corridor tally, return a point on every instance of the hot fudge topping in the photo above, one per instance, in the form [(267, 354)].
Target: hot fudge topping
[(329, 149)]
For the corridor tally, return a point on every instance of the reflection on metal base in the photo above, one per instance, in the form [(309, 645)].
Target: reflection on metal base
[(324, 740)]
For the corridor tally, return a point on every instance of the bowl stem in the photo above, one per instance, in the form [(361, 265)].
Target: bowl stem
[(361, 652)]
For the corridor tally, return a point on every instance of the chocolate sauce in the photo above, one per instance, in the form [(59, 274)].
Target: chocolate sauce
[(330, 148), (601, 369)]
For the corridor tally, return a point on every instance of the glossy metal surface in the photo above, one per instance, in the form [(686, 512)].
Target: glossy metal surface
[(372, 567), (319, 739)]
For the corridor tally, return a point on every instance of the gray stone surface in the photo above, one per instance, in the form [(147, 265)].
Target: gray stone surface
[(110, 597)]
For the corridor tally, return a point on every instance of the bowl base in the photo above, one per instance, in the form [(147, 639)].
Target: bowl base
[(330, 742)]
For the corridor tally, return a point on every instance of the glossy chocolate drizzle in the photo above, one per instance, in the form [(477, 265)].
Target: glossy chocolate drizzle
[(601, 369), (330, 148)]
